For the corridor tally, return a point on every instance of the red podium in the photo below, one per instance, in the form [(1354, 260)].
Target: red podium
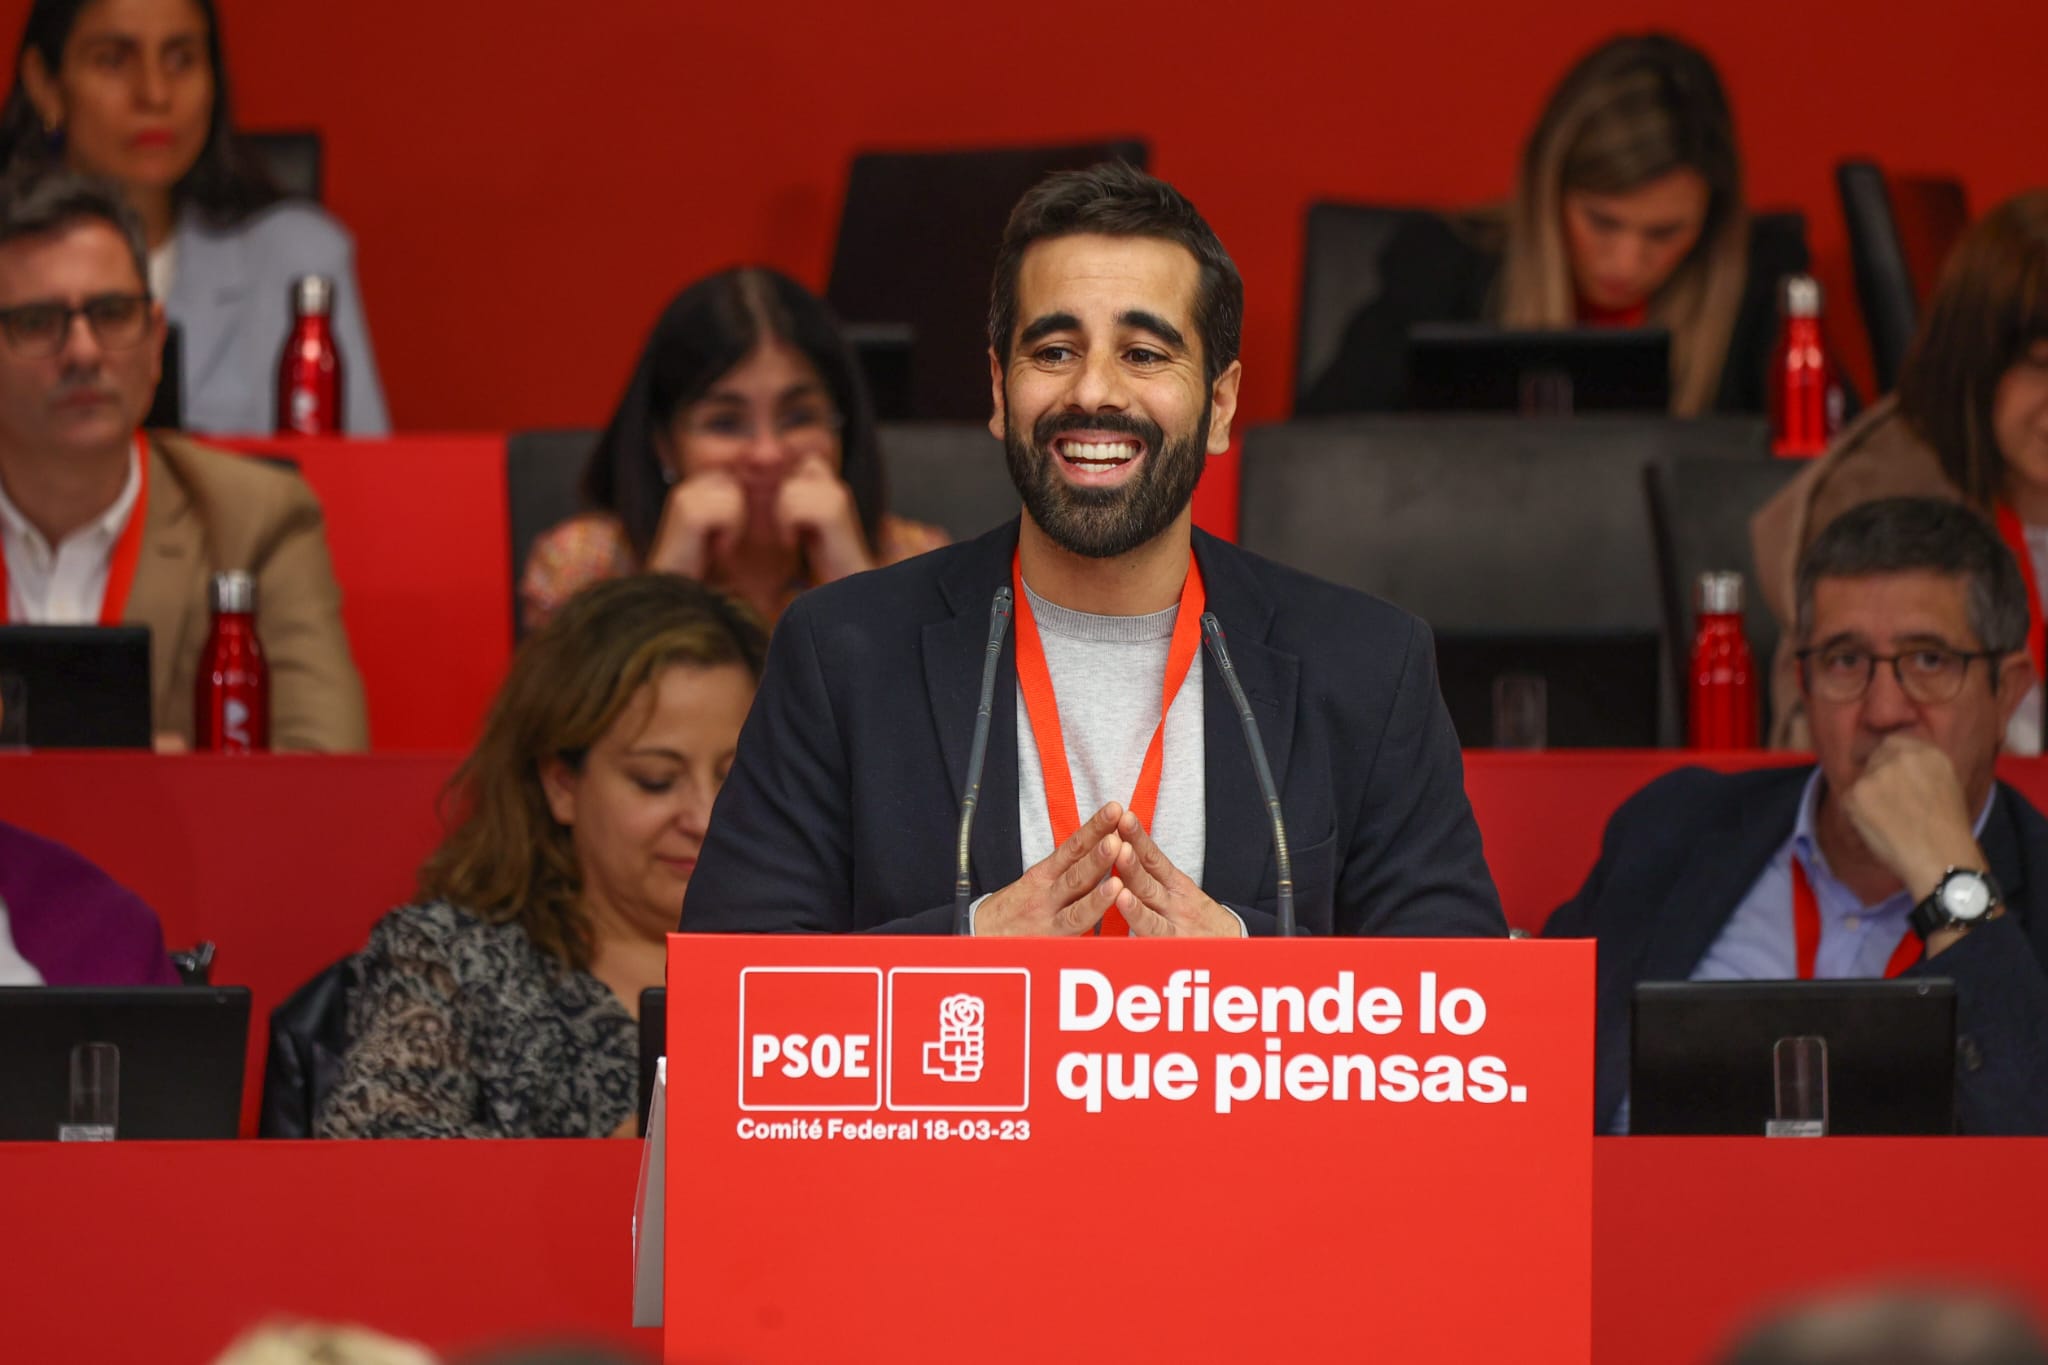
[(1028, 1150)]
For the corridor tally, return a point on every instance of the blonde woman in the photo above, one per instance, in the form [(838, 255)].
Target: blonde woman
[(503, 1002), (1628, 212)]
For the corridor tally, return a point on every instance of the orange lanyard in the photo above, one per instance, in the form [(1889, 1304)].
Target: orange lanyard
[(1806, 930), (2015, 537), (1034, 680), (127, 550)]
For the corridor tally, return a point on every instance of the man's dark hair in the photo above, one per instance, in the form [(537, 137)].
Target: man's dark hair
[(1904, 535), (1118, 200), (40, 202)]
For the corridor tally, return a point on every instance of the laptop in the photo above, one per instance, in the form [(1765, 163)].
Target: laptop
[(167, 1060), (1470, 367), (1793, 1058), (75, 687), (653, 1043), (1599, 689)]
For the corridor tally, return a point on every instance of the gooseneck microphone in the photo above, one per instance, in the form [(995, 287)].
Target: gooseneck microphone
[(1212, 635), (963, 878)]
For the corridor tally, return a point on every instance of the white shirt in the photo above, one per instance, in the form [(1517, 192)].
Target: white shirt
[(15, 970), (163, 269), (64, 585)]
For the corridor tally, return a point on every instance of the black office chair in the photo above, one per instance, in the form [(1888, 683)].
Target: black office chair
[(1884, 284), (309, 1036), (916, 236), (950, 474), (293, 158), (194, 965), (543, 485), (1483, 526), (1699, 523)]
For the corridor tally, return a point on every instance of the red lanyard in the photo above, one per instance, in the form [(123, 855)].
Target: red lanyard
[(1035, 682), (126, 555), (1806, 930), (2015, 537)]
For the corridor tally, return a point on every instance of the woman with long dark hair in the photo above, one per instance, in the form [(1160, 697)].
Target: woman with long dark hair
[(136, 92), (743, 454), (1969, 422)]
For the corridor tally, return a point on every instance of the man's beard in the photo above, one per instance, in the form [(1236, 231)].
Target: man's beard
[(1101, 523)]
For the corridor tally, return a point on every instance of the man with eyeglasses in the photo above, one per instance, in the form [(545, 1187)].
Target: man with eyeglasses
[(103, 524), (1897, 852)]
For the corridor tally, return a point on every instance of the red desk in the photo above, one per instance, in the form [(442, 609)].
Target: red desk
[(286, 861), (417, 526), (459, 1243)]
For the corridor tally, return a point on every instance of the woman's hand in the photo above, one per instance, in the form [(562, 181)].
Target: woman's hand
[(816, 512), (701, 524)]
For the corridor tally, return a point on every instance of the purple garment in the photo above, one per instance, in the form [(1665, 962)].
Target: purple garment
[(74, 923)]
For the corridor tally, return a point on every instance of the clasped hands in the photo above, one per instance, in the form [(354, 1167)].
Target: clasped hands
[(1110, 861), (706, 517)]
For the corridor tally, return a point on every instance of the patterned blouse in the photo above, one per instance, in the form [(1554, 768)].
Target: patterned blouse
[(465, 1029), (592, 546)]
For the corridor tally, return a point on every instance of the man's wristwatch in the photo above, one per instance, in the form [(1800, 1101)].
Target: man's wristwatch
[(1962, 898)]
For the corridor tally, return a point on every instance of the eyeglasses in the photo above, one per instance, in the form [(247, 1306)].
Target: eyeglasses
[(798, 424), (1929, 675), (118, 322)]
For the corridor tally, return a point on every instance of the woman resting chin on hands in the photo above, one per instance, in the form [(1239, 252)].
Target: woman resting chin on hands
[(743, 455)]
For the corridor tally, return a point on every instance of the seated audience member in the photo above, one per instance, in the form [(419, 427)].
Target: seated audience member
[(502, 1002), (1628, 212), (100, 523), (1969, 422), (136, 91), (1912, 623), (63, 922), (743, 455)]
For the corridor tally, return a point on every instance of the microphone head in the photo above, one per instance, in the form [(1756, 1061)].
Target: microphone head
[(1212, 627)]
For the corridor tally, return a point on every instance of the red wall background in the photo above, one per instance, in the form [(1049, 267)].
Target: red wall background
[(529, 181)]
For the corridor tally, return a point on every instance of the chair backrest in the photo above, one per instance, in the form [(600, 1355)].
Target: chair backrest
[(1479, 525), (293, 158), (1933, 213), (950, 474), (1340, 275), (543, 485), (309, 1035), (1884, 287), (1699, 522), (917, 242)]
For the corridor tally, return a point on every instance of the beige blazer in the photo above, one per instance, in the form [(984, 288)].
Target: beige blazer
[(1879, 456), (210, 511)]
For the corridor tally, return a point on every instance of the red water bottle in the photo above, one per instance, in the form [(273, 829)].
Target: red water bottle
[(1806, 395), (231, 710), (1723, 713), (309, 374)]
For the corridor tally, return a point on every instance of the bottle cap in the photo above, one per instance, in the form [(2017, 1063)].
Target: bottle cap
[(1799, 296), (233, 591), (312, 296), (1719, 593)]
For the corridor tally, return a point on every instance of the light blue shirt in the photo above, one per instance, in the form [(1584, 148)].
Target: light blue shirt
[(1856, 940)]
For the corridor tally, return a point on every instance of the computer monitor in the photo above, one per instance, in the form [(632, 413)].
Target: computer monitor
[(1596, 689), (1866, 1057), (653, 1043), (172, 1056), (75, 687), (1464, 367)]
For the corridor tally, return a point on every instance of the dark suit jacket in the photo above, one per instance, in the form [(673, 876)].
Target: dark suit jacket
[(1434, 271), (841, 807), (1680, 855)]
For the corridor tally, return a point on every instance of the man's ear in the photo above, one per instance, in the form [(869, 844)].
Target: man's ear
[(559, 781), (1223, 406), (999, 419), (2015, 680)]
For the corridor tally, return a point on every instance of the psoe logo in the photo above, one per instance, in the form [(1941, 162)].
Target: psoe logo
[(959, 1039), (811, 1039), (957, 1055)]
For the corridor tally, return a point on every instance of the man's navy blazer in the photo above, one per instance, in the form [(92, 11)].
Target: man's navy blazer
[(1680, 856), (841, 809)]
